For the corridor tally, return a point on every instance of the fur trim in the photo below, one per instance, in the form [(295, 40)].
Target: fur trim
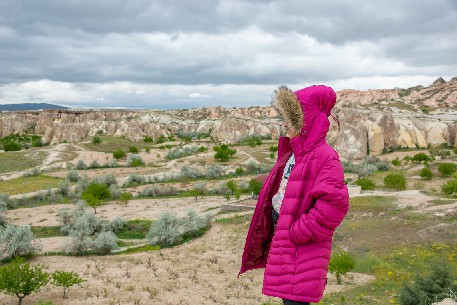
[(288, 105)]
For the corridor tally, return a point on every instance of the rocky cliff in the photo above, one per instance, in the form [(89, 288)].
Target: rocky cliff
[(371, 121)]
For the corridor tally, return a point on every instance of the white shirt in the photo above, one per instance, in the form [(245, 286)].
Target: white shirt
[(277, 198)]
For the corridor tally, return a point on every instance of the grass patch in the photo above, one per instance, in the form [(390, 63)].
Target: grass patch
[(19, 160), (398, 265), (441, 201), (238, 219), (44, 232), (135, 229), (372, 203), (28, 184), (144, 248)]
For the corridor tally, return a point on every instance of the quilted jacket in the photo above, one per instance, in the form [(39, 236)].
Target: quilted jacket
[(296, 255)]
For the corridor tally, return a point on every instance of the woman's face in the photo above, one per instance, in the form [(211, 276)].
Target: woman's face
[(291, 132)]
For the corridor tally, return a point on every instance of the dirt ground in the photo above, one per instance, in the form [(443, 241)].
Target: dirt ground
[(202, 271)]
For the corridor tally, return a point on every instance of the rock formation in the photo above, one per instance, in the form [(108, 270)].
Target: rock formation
[(371, 121)]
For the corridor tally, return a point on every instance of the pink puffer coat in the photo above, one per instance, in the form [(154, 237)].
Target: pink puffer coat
[(316, 200)]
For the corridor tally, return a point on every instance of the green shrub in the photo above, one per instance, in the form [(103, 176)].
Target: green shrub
[(12, 146), (119, 154), (133, 149), (96, 140), (223, 152), (239, 171), (395, 181), (429, 288), (148, 139), (396, 162), (95, 193), (365, 184), (447, 169), (66, 280), (341, 263), (450, 188), (255, 186), (234, 190), (36, 141), (426, 173), (21, 280), (161, 139), (125, 197), (419, 157)]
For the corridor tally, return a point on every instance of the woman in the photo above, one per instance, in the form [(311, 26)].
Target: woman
[(299, 207)]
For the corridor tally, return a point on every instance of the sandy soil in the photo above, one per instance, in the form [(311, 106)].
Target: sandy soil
[(203, 271), (135, 209)]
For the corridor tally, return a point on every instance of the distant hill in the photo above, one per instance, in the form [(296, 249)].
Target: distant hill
[(29, 106)]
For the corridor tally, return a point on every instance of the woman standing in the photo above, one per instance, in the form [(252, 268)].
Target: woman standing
[(303, 200)]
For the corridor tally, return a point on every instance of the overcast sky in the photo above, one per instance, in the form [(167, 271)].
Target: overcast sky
[(182, 54)]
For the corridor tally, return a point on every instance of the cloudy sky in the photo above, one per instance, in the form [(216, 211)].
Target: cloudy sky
[(182, 54)]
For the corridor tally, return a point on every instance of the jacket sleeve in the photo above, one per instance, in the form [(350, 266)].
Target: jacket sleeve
[(331, 203)]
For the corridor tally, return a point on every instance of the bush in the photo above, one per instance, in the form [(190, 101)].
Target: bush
[(125, 197), (81, 165), (21, 280), (36, 141), (233, 187), (426, 173), (214, 171), (447, 169), (96, 140), (395, 181), (119, 154), (419, 157), (73, 176), (253, 167), (341, 263), (223, 152), (94, 164), (165, 231), (66, 280), (148, 139), (191, 172), (429, 288), (12, 146), (95, 193), (365, 184), (134, 160), (187, 150), (117, 224), (133, 180), (396, 162), (450, 188), (17, 241), (199, 189), (133, 149), (105, 242)]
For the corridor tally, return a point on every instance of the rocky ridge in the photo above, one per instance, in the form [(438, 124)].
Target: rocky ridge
[(371, 121)]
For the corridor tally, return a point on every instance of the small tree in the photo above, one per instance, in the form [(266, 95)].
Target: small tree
[(341, 263), (223, 152), (16, 241), (95, 193), (255, 186), (66, 280), (20, 279)]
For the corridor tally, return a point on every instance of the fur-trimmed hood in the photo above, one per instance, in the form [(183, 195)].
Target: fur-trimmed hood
[(307, 110)]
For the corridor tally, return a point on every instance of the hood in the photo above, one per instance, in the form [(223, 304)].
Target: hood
[(307, 110)]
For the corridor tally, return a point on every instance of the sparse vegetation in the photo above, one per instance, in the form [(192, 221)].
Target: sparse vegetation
[(223, 152), (395, 181)]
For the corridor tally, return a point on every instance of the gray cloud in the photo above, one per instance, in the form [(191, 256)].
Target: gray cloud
[(208, 42)]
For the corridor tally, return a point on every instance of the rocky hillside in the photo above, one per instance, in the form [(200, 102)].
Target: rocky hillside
[(371, 121)]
